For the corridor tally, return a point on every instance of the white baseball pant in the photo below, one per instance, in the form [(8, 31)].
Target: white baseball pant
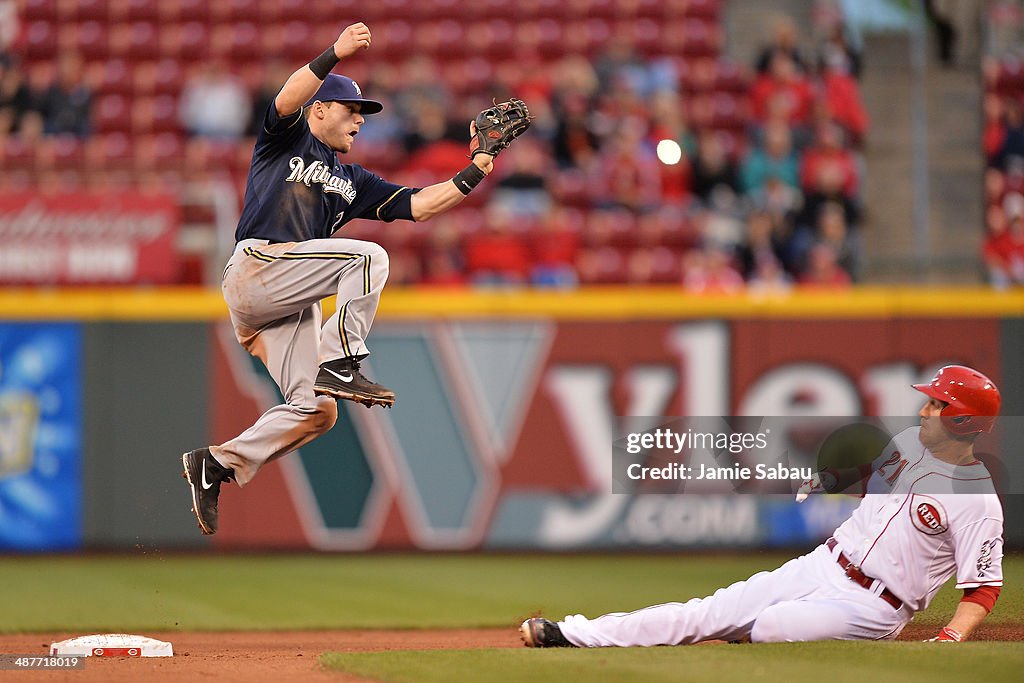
[(808, 598)]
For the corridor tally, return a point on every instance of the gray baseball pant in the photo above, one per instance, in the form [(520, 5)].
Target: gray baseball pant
[(273, 293)]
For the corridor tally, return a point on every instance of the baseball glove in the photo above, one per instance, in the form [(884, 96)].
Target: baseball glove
[(498, 126)]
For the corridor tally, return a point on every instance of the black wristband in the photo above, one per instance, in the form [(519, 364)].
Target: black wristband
[(322, 65), (468, 178)]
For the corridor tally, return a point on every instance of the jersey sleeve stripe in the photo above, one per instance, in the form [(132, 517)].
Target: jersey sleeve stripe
[(978, 584), (389, 200)]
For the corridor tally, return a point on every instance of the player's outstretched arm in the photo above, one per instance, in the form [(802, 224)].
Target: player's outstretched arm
[(967, 617), (302, 84), (438, 198), (493, 129)]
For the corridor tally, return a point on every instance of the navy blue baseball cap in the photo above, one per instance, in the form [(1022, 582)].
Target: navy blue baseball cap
[(336, 88)]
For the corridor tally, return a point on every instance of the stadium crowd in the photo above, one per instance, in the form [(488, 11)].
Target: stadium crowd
[(653, 158)]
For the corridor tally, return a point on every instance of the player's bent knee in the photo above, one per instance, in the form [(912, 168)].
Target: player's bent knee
[(325, 416), (769, 627)]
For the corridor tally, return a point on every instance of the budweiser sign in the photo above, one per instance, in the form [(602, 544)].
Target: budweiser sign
[(84, 238)]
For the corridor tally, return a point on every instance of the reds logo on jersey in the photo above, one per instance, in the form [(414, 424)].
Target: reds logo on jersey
[(928, 515)]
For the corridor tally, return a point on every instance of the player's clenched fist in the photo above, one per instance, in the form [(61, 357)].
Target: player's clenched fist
[(354, 38)]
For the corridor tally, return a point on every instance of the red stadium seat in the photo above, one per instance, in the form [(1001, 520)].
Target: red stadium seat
[(704, 9), (395, 38), (245, 43), (40, 40), (700, 38), (195, 41), (115, 78), (242, 10), (601, 266), (168, 78), (92, 40), (599, 32), (603, 9), (110, 114), (298, 41), (67, 151), (646, 33), (193, 10), (39, 10), (91, 10), (134, 41), (16, 152), (731, 77), (649, 9), (142, 10)]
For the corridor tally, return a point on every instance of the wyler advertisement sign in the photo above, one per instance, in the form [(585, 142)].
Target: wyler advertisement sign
[(40, 437), (87, 238), (594, 434)]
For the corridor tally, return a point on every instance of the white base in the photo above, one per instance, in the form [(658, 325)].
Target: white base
[(111, 645)]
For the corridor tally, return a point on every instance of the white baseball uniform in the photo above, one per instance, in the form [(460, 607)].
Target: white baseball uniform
[(920, 521)]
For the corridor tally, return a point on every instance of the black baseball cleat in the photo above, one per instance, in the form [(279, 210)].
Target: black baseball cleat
[(204, 476), (341, 379), (538, 632)]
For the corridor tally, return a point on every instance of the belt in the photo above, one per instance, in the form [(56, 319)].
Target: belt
[(854, 573)]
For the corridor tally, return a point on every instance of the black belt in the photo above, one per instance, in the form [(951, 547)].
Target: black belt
[(854, 573)]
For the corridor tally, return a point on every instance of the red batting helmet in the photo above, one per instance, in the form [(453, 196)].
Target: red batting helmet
[(973, 399)]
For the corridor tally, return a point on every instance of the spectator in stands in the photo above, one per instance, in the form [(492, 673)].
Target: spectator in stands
[(626, 172), (837, 48), (775, 158), (521, 189), (1003, 250), (214, 103), (783, 93), (66, 105), (1010, 154), (276, 73), (496, 255), (15, 98), (833, 231), (430, 124), (10, 25), (994, 131), (823, 269), (715, 177), (945, 31), (784, 41), (575, 140), (555, 246), (576, 143), (710, 271), (618, 65), (828, 164), (840, 100), (762, 243)]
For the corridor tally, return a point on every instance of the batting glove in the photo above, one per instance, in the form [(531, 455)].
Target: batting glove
[(946, 635), (819, 481)]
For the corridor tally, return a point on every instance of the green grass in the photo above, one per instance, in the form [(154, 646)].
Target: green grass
[(155, 591), (834, 662)]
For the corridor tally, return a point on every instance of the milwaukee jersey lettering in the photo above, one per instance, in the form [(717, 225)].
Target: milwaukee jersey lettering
[(922, 520), (297, 189)]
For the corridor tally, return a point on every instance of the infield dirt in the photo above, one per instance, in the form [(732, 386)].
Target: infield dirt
[(293, 655)]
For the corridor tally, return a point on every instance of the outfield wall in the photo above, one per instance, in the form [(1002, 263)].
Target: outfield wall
[(501, 434)]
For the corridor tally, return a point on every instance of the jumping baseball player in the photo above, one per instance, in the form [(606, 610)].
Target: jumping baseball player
[(930, 511), (297, 196)]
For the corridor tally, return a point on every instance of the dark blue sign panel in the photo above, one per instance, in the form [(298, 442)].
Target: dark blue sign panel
[(40, 437)]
